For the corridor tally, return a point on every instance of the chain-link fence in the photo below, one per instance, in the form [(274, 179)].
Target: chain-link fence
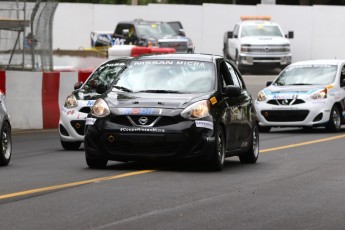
[(26, 34)]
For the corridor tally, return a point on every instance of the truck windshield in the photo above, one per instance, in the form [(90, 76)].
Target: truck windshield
[(155, 30), (261, 30)]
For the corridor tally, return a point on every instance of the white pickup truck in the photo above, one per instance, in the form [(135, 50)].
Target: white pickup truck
[(256, 40)]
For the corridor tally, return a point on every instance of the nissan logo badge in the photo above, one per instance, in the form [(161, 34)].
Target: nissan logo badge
[(143, 120)]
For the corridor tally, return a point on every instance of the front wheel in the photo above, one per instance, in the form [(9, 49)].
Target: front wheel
[(252, 155), (334, 123), (96, 163), (218, 156), (5, 144)]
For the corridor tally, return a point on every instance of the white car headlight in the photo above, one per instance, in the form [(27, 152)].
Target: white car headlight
[(100, 108), (197, 110), (71, 102), (320, 94), (261, 96)]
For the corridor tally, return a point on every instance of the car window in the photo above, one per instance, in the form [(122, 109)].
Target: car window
[(225, 74), (236, 30), (168, 75), (104, 75), (235, 78), (307, 75), (121, 27), (342, 76)]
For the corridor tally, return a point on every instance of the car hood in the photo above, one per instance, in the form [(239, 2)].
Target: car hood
[(292, 90), (153, 100), (82, 95), (262, 40), (169, 38)]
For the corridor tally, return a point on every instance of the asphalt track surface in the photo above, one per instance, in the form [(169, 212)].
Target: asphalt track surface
[(297, 183)]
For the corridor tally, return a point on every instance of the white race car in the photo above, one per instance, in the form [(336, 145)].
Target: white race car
[(77, 105), (305, 94)]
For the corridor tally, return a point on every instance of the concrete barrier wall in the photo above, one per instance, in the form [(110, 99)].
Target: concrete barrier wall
[(34, 99), (318, 29)]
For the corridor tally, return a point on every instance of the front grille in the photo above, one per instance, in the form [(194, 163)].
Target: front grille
[(79, 126), (286, 102), (285, 115), (143, 145), (268, 49), (178, 46)]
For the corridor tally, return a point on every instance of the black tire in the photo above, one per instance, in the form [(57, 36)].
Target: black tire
[(264, 129), (218, 155), (5, 144), (252, 155), (70, 145), (96, 163), (334, 123)]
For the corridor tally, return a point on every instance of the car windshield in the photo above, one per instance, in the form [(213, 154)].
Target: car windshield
[(307, 75), (154, 30), (261, 30), (166, 76), (103, 76)]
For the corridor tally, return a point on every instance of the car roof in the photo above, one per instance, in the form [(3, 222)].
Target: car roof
[(320, 62), (194, 56)]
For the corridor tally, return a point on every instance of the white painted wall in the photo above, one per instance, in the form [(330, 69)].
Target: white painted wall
[(319, 30)]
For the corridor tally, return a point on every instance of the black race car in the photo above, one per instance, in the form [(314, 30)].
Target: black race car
[(174, 106)]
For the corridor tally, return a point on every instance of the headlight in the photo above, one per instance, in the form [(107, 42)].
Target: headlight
[(245, 48), (197, 110), (100, 108), (261, 96), (320, 94), (71, 102)]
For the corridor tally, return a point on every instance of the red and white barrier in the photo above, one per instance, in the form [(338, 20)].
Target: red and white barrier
[(33, 99)]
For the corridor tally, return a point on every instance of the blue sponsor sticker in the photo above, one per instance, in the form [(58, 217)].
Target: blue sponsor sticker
[(204, 124), (139, 111), (90, 103)]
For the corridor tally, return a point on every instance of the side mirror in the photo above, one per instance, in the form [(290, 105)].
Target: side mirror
[(78, 85), (125, 32), (232, 91), (230, 34), (268, 83), (289, 35), (181, 33), (101, 88)]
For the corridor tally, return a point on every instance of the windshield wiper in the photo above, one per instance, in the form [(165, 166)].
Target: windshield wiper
[(159, 91), (122, 88)]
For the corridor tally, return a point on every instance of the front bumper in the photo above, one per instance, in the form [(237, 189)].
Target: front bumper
[(72, 122), (183, 140), (248, 59), (309, 114)]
